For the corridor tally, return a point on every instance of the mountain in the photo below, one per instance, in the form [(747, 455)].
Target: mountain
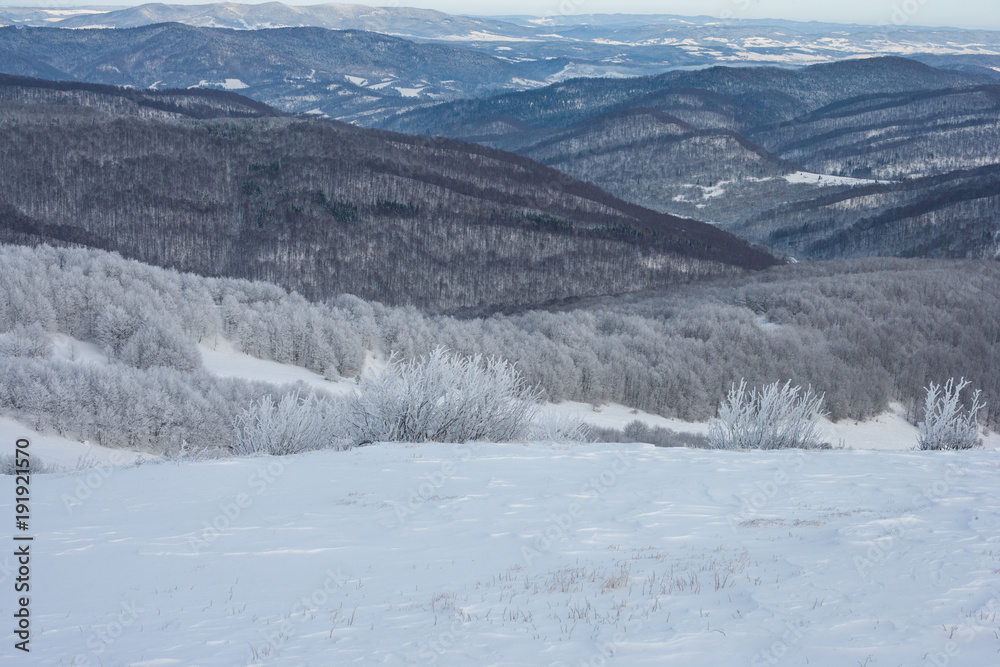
[(400, 21), (325, 208), (195, 103), (891, 136), (343, 74), (725, 145), (368, 80), (588, 45), (654, 159), (741, 147), (738, 98), (948, 215)]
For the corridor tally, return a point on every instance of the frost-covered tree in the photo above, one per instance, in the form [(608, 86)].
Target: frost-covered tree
[(774, 417), (113, 327), (294, 424), (159, 342), (947, 423), (22, 341), (442, 397)]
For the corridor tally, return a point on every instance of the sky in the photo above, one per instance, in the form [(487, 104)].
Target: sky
[(983, 14), (975, 14)]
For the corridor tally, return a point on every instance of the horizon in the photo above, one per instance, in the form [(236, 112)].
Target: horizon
[(961, 14)]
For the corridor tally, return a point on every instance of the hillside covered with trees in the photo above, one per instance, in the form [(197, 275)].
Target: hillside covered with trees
[(862, 333), (911, 149), (325, 208)]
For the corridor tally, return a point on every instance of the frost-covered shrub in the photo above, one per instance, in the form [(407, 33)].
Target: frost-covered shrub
[(774, 417), (947, 424), (295, 424), (442, 397)]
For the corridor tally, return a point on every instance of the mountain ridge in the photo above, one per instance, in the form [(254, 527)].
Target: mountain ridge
[(325, 208)]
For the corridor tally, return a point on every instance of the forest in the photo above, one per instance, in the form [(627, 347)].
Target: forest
[(860, 332), (326, 208), (913, 146)]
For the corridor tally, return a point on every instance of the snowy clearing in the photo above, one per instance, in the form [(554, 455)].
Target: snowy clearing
[(233, 84), (534, 554), (221, 358), (887, 432), (409, 92), (809, 178)]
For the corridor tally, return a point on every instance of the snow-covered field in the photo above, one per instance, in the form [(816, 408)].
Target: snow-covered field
[(520, 554), (524, 554)]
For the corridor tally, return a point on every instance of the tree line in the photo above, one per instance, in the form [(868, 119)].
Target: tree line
[(863, 333)]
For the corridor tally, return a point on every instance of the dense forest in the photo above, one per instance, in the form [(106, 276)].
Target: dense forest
[(731, 98), (863, 332), (325, 208), (950, 215)]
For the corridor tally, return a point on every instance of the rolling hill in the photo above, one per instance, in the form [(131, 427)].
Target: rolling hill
[(341, 74), (762, 152), (325, 208)]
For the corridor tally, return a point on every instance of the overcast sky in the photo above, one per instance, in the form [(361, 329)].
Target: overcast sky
[(982, 14), (960, 13)]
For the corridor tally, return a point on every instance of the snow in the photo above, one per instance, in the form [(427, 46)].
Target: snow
[(221, 358), (887, 432), (356, 80), (613, 415), (72, 12), (227, 84), (485, 36), (66, 454), (70, 349), (809, 178), (409, 92), (529, 553), (523, 554)]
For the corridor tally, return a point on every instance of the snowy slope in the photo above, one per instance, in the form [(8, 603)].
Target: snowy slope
[(889, 431), (221, 357), (519, 555)]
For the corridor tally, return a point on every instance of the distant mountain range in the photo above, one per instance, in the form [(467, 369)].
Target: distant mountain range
[(209, 182), (421, 57), (787, 156), (793, 159), (342, 74), (400, 21), (590, 45)]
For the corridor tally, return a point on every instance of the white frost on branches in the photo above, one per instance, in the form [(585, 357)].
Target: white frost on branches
[(774, 417), (295, 424), (442, 397), (947, 425)]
